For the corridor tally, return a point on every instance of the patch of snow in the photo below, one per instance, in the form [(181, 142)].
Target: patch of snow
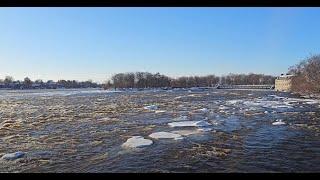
[(189, 124), (137, 142), (165, 135), (13, 156)]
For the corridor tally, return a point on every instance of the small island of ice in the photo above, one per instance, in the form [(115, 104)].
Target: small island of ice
[(165, 135), (137, 142), (189, 124)]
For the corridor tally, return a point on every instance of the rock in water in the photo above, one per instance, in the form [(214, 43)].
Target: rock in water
[(137, 142), (189, 124), (165, 135), (13, 156)]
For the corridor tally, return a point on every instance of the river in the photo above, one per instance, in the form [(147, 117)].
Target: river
[(84, 130)]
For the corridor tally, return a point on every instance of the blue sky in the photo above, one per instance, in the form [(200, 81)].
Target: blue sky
[(94, 43)]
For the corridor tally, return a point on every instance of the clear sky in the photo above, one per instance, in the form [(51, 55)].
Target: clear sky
[(94, 43)]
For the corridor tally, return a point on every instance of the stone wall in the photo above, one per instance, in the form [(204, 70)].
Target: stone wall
[(283, 84)]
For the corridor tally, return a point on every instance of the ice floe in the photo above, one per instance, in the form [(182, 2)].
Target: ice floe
[(222, 107), (13, 156), (205, 129), (278, 122), (160, 111), (181, 118), (137, 142), (187, 132), (189, 124), (204, 110), (236, 101), (165, 135), (151, 107)]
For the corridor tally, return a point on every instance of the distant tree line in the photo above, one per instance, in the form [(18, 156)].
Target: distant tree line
[(157, 80), (247, 79), (307, 74), (9, 83)]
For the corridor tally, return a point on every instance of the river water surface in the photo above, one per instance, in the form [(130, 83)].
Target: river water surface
[(84, 131)]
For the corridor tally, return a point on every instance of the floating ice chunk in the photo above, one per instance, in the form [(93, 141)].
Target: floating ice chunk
[(276, 97), (160, 111), (312, 102), (187, 132), (205, 129), (13, 156), (178, 97), (281, 107), (266, 112), (189, 124), (151, 107), (181, 118), (137, 142), (204, 110), (233, 101), (165, 135), (278, 122), (222, 107)]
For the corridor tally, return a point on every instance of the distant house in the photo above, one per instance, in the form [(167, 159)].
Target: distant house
[(285, 82)]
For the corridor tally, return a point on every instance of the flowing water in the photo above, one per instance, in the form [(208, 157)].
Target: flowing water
[(84, 130)]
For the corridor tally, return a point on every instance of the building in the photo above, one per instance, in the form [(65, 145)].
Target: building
[(284, 83)]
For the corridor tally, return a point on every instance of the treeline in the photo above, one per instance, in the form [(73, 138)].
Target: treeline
[(307, 75), (247, 79), (149, 80), (9, 83)]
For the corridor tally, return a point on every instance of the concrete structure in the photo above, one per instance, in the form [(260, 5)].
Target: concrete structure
[(284, 83)]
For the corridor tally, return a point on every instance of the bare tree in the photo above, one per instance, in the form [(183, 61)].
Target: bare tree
[(27, 82), (8, 80)]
